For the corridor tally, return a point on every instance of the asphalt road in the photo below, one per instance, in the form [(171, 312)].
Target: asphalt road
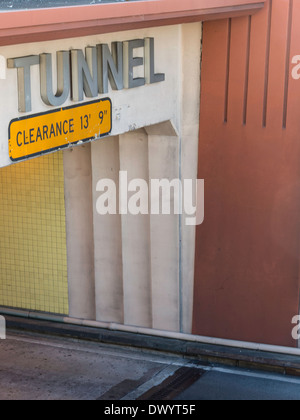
[(235, 384), (38, 367)]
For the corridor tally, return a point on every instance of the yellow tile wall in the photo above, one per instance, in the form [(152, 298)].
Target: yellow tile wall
[(33, 258)]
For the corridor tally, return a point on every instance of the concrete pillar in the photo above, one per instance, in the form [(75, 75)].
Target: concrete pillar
[(164, 231), (107, 236), (136, 236), (191, 36), (79, 229)]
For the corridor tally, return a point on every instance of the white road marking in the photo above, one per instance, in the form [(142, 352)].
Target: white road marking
[(159, 378)]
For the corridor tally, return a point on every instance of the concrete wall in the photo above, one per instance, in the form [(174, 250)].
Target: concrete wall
[(143, 265), (136, 270)]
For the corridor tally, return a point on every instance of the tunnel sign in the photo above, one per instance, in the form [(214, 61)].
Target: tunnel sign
[(34, 135), (98, 70)]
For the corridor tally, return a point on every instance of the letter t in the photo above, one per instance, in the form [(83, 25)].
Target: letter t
[(23, 65)]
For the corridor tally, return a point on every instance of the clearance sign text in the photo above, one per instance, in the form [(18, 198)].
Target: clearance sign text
[(38, 134), (80, 75)]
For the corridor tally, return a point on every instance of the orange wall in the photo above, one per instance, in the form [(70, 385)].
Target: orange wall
[(247, 257)]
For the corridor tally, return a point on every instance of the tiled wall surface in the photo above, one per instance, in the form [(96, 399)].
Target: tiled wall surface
[(33, 264)]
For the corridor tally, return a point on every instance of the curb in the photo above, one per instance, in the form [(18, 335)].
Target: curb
[(203, 353)]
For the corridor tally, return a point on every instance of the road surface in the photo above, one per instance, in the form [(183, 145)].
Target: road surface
[(38, 367)]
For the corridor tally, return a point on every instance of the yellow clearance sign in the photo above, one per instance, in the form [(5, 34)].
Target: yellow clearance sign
[(42, 133)]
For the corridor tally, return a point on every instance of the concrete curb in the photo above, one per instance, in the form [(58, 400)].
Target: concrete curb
[(203, 353)]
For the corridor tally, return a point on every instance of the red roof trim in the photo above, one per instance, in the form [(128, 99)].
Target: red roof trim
[(57, 23)]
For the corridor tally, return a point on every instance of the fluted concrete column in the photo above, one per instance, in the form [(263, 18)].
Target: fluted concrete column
[(107, 236), (164, 231), (191, 36), (79, 228), (136, 236)]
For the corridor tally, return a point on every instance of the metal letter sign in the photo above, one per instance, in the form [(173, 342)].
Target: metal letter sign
[(79, 75), (63, 78)]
